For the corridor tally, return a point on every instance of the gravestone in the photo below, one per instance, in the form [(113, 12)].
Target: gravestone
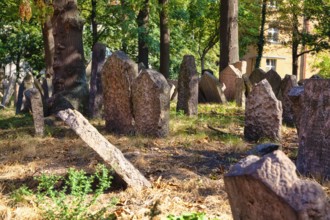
[(240, 92), (118, 73), (314, 129), (257, 75), (263, 113), (211, 89), (248, 84), (269, 188), (275, 81), (37, 111), (9, 90), (295, 96), (174, 89), (228, 77), (241, 66), (22, 105), (188, 86), (151, 104), (96, 92), (287, 84)]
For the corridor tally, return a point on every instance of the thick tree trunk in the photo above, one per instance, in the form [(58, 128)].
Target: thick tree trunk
[(47, 34), (110, 154), (164, 67), (69, 78), (261, 42), (123, 28), (228, 33), (142, 21), (202, 62), (94, 23), (295, 45)]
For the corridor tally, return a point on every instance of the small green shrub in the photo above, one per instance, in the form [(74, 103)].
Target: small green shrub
[(188, 216)]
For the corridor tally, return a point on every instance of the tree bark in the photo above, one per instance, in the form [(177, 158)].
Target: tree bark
[(49, 47), (123, 29), (69, 78), (164, 67), (94, 23), (261, 42), (228, 33), (295, 44), (111, 155), (142, 21)]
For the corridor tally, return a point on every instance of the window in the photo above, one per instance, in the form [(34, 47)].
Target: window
[(272, 35), (270, 64)]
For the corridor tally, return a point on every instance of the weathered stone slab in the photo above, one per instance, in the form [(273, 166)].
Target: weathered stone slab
[(21, 105), (248, 84), (228, 77), (263, 149), (240, 92), (37, 111), (211, 89), (295, 95), (96, 91), (314, 129), (173, 89), (287, 84), (257, 75), (110, 154), (118, 73), (241, 66), (9, 90), (188, 86), (151, 104), (269, 188), (274, 80), (263, 113)]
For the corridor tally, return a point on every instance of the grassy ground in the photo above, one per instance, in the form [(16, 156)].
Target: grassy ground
[(186, 168)]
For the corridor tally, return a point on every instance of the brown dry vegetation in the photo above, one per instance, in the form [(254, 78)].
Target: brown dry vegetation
[(186, 168)]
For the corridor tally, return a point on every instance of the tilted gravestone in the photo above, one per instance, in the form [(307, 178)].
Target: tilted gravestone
[(263, 113), (240, 92), (118, 73), (314, 129), (287, 84), (96, 92), (151, 104), (9, 90), (188, 86), (228, 77), (269, 188), (173, 89), (211, 89), (37, 111), (241, 66), (275, 81), (257, 75)]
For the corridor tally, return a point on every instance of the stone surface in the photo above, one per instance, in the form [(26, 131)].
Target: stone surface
[(274, 80), (257, 75), (241, 66), (314, 129), (263, 114), (188, 86), (295, 96), (96, 91), (248, 84), (263, 149), (9, 90), (287, 84), (269, 188), (151, 104), (173, 89), (22, 104), (37, 111), (110, 154), (228, 77), (118, 73), (240, 92), (211, 89)]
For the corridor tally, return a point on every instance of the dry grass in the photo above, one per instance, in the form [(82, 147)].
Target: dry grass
[(186, 168)]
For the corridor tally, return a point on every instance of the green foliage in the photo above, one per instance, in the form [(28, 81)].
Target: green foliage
[(73, 200), (188, 216), (19, 195), (322, 64)]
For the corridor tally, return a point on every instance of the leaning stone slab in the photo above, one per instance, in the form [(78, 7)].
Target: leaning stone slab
[(228, 77), (263, 114), (314, 130), (241, 66), (274, 80), (151, 104), (188, 86), (37, 111), (257, 75), (287, 84), (110, 154), (118, 74), (269, 188), (211, 89)]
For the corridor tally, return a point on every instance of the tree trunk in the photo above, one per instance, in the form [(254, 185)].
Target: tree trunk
[(69, 78), (110, 154), (123, 29), (164, 67), (142, 21), (295, 45), (261, 42), (202, 62), (228, 33), (94, 23), (47, 34)]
